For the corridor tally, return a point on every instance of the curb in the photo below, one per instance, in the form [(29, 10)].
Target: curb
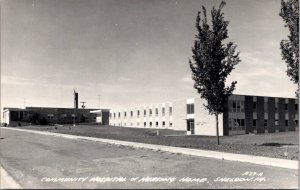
[(6, 181), (267, 161)]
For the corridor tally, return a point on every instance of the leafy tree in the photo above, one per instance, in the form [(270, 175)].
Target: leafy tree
[(34, 118), (82, 118), (43, 121), (213, 61), (290, 48)]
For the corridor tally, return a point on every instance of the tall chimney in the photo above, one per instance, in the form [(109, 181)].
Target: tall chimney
[(75, 99)]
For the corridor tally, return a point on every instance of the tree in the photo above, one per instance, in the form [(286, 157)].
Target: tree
[(82, 118), (213, 61), (34, 118), (290, 48), (43, 121)]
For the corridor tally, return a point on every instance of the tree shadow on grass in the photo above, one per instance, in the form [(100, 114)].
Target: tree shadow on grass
[(276, 144)]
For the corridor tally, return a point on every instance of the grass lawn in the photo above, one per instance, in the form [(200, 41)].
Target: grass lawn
[(283, 145)]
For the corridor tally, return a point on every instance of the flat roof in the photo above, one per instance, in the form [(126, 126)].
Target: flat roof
[(99, 111), (14, 109)]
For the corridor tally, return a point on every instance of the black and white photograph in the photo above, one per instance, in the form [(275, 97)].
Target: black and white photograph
[(149, 94)]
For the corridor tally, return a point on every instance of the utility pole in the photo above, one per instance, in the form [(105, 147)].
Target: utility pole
[(75, 106)]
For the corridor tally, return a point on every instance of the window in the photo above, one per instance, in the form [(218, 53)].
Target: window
[(114, 115), (170, 124), (286, 122), (296, 107), (156, 111), (138, 113), (119, 114), (163, 111), (254, 105), (254, 122), (234, 105), (276, 106), (238, 105), (157, 124), (239, 123), (144, 113), (286, 107), (266, 123), (296, 121), (242, 106), (150, 112), (50, 115), (131, 113), (170, 110), (125, 114), (163, 124), (190, 108), (144, 124), (150, 124), (276, 122)]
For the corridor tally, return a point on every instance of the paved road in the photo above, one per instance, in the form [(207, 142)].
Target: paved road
[(39, 161)]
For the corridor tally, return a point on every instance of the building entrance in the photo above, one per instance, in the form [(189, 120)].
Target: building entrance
[(237, 127), (190, 127)]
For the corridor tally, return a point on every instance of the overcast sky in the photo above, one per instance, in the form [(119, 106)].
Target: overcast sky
[(131, 52)]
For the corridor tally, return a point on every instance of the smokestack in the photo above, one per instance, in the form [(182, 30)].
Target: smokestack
[(75, 99)]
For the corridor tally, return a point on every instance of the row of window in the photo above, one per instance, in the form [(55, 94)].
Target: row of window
[(145, 112), (286, 106), (189, 109), (239, 106), (64, 116), (241, 122), (151, 124)]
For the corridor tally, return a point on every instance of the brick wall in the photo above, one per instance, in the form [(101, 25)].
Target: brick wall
[(281, 114), (249, 114), (291, 111), (260, 115), (271, 115)]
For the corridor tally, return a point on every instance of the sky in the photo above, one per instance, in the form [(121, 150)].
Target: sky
[(130, 52)]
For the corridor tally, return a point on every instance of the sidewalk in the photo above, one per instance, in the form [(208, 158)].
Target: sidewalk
[(275, 162)]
